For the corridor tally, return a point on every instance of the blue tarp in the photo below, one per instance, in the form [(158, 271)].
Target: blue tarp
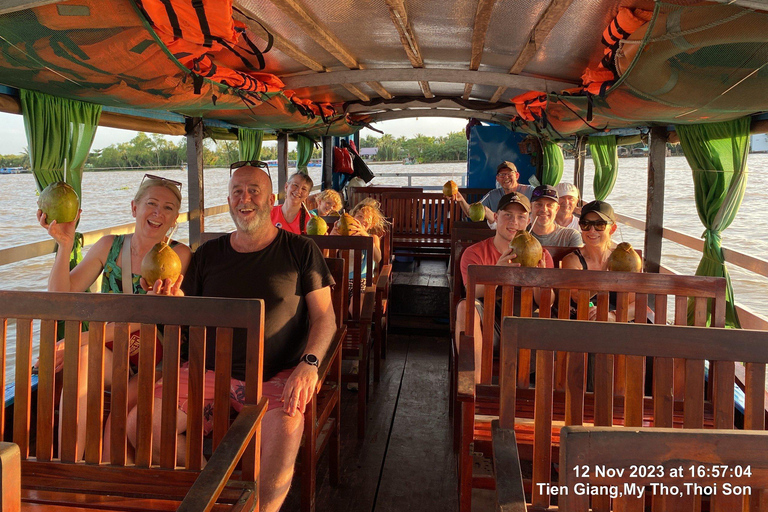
[(488, 147)]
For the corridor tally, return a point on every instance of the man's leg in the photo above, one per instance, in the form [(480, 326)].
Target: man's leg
[(477, 336), (281, 438)]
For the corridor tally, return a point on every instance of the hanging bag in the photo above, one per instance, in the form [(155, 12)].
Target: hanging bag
[(342, 161)]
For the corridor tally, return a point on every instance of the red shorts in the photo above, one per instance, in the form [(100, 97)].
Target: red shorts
[(272, 389), (133, 348)]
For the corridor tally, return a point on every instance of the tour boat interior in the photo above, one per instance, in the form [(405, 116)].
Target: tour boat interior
[(420, 431)]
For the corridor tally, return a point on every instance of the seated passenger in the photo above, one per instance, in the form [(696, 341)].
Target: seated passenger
[(598, 223), (544, 208), (291, 215), (156, 208), (506, 177), (328, 203), (289, 273), (512, 217), (568, 200), (368, 221)]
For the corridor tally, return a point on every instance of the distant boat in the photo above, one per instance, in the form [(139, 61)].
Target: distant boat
[(11, 170)]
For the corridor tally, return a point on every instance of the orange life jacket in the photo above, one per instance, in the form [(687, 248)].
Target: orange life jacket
[(77, 14), (530, 105)]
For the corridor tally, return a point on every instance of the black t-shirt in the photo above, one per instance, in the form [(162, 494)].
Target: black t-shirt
[(282, 274)]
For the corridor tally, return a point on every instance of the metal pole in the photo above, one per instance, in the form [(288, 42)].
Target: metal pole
[(654, 213), (196, 195), (282, 164), (578, 163), (356, 139), (327, 162)]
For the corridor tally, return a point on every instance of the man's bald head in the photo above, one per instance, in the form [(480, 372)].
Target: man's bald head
[(251, 174)]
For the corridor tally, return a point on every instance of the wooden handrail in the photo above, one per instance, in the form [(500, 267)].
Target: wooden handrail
[(44, 247), (205, 491)]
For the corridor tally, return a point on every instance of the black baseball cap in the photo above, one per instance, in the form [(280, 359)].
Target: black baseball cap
[(543, 191), (603, 209), (514, 197)]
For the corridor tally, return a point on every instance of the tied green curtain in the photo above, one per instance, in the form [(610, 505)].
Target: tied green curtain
[(552, 163), (59, 132), (249, 143), (304, 153), (606, 159), (717, 154)]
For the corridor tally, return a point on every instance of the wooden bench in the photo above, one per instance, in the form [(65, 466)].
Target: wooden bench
[(480, 403), (154, 481), (357, 194), (702, 454), (664, 346), (357, 344), (421, 222), (10, 477)]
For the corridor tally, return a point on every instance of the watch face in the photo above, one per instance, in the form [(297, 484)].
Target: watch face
[(311, 359)]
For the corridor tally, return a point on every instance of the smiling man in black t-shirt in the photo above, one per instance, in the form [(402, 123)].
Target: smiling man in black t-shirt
[(289, 273)]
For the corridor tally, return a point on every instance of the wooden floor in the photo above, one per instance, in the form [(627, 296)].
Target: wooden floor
[(405, 462)]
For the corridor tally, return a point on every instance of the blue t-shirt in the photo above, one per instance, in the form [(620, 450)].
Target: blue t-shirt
[(491, 199)]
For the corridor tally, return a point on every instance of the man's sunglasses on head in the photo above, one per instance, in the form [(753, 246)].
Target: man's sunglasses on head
[(250, 163)]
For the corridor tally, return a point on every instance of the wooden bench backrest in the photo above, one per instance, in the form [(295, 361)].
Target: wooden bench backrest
[(421, 214), (666, 344), (351, 249), (357, 194), (23, 309), (473, 195), (585, 283), (668, 449)]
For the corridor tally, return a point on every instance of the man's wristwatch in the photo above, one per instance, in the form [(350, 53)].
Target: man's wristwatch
[(310, 359)]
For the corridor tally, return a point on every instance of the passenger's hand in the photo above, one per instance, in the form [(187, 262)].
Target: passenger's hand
[(506, 259), (593, 314), (458, 197), (161, 287), (299, 389), (58, 358), (542, 262), (63, 234)]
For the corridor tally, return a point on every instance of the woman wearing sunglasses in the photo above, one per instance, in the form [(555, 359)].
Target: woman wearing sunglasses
[(597, 223), (155, 208)]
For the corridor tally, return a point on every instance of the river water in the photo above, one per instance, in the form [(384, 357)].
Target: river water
[(107, 196)]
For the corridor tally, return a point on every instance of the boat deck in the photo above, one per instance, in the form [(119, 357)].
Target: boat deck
[(406, 461)]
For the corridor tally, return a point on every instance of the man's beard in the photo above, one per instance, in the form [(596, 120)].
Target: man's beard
[(252, 225)]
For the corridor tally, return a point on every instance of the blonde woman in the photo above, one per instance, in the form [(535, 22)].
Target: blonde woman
[(156, 209)]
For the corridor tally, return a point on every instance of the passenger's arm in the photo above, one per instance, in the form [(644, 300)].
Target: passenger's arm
[(463, 204), (376, 249), (84, 274), (300, 386)]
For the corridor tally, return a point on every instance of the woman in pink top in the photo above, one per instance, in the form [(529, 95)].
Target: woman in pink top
[(290, 215)]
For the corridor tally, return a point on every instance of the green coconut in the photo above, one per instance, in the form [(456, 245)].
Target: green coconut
[(59, 202), (161, 262), (317, 226), (345, 221), (527, 249), (624, 259), (450, 188), (477, 212)]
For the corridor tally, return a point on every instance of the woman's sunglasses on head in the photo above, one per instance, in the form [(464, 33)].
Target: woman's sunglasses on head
[(178, 184), (599, 225)]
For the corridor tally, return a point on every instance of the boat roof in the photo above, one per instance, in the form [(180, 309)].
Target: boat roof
[(333, 67)]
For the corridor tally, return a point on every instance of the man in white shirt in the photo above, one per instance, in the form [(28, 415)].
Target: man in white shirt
[(568, 199)]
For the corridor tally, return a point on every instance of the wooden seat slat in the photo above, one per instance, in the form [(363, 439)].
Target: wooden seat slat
[(119, 397), (169, 415), (197, 347), (221, 408), (146, 395), (45, 391), (23, 401), (95, 393)]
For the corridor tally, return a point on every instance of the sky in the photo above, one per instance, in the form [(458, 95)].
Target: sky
[(13, 139)]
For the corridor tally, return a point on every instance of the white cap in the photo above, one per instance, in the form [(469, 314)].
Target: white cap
[(567, 189)]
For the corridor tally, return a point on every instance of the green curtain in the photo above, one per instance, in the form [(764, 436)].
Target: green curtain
[(60, 133), (606, 159), (304, 153), (249, 143), (717, 154), (552, 163)]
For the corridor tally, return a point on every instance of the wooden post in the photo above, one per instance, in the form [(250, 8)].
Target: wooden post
[(654, 212), (578, 163), (282, 165), (327, 180), (356, 139), (194, 129)]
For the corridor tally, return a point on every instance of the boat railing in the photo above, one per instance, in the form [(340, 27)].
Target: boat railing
[(749, 319), (460, 174)]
